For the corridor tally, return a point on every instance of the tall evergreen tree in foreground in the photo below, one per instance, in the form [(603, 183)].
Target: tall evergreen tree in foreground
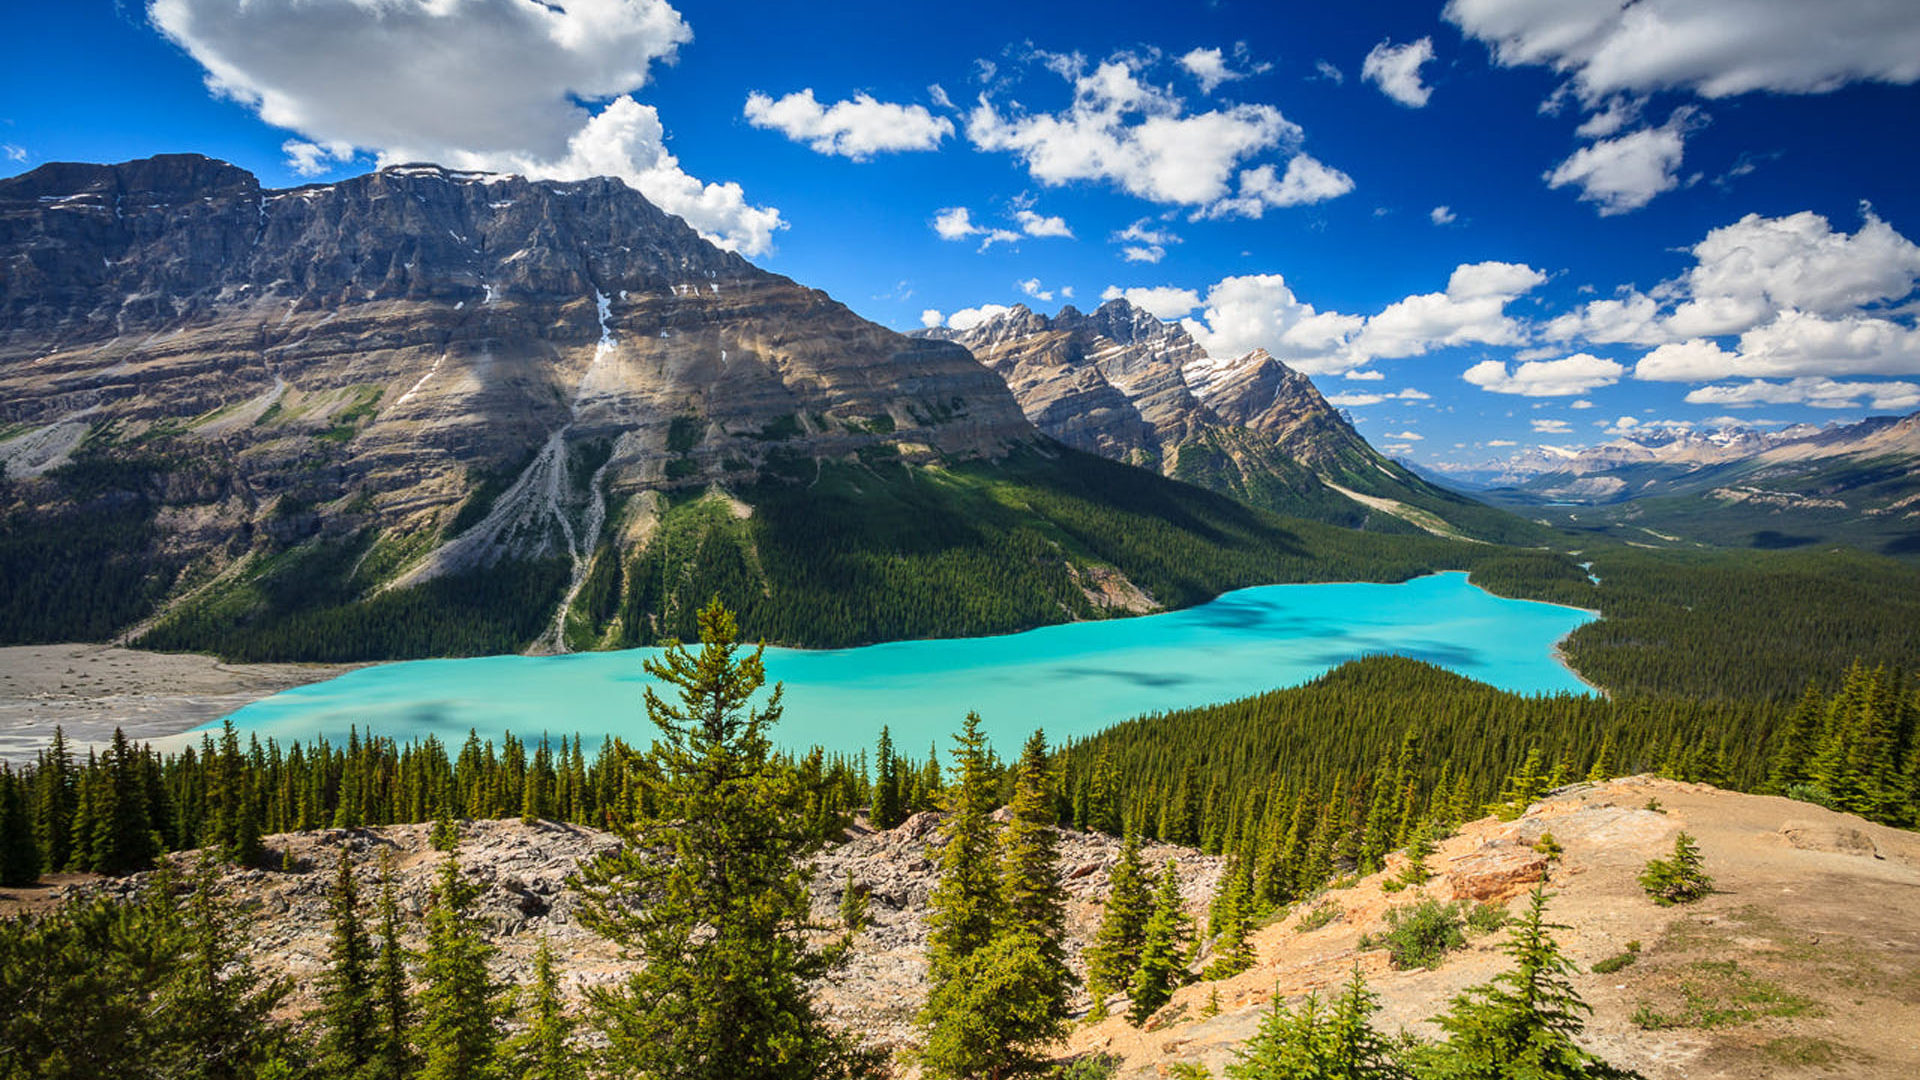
[(998, 1000), (348, 1025), (393, 1056), (711, 892), (459, 1001), (1115, 953), (542, 1051), (887, 809), (1163, 949)]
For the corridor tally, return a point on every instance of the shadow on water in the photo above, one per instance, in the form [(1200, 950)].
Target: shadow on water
[(1136, 678)]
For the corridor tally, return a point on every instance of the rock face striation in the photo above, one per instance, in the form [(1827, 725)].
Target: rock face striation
[(1124, 384), (472, 366)]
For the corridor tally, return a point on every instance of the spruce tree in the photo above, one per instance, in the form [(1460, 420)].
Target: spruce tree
[(720, 882), (542, 1051), (349, 1026), (1229, 922), (1115, 953), (214, 1014), (1316, 1042), (887, 810), (1679, 880), (393, 1056), (1163, 949), (459, 1001), (53, 804), (19, 851), (1523, 1023)]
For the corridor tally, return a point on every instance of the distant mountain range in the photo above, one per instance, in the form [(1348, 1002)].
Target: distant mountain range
[(1126, 385), (424, 411), (1848, 483)]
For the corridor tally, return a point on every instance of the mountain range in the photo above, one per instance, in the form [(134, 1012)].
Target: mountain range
[(424, 411), (1126, 385), (1855, 483)]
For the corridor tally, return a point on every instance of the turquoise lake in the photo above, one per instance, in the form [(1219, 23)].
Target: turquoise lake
[(1071, 680)]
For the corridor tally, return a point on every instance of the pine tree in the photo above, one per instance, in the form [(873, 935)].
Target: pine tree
[(459, 1001), (1602, 768), (19, 851), (1523, 1023), (1115, 953), (1229, 923), (1679, 880), (214, 1014), (348, 1023), (53, 804), (963, 912), (886, 785), (1523, 788), (1163, 949), (1316, 1042), (719, 870), (1103, 797), (542, 1051), (393, 1056)]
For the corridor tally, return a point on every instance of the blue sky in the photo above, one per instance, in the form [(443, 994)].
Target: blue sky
[(1480, 226)]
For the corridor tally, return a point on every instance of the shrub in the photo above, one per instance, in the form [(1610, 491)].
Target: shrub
[(1548, 846), (1320, 916), (1614, 963), (1419, 936), (1678, 880), (1487, 917)]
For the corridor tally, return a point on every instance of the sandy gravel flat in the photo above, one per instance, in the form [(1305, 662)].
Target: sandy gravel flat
[(92, 689)]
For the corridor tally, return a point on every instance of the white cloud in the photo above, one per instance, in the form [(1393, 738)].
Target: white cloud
[(13, 153), (956, 223), (968, 318), (1032, 288), (1551, 427), (1149, 254), (1395, 69), (1307, 180), (938, 95), (478, 84), (1330, 72), (1625, 173), (1138, 137), (313, 159), (1583, 403), (1566, 377), (1631, 425), (1366, 375), (1620, 110), (931, 318), (1471, 311), (856, 129), (1794, 344), (1035, 225), (1410, 436), (1716, 48), (1162, 301), (1209, 68), (1501, 442), (1442, 215), (1359, 399), (1816, 391), (1260, 311)]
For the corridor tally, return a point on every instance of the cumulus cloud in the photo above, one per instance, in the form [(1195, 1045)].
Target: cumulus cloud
[(1368, 375), (1816, 391), (479, 84), (1409, 435), (1260, 311), (1395, 69), (1625, 173), (315, 159), (1161, 301), (1551, 427), (1757, 271), (1565, 377), (1036, 225), (1209, 68), (1329, 71), (1796, 343), (968, 318), (1143, 242), (856, 129), (1442, 215), (1471, 311), (956, 223), (1307, 180), (931, 318), (1715, 48), (1032, 288), (1141, 139)]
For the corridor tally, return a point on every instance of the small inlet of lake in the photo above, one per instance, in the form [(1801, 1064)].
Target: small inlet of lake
[(1072, 680)]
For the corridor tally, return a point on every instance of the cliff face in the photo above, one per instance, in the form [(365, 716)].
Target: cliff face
[(1123, 384), (472, 366)]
